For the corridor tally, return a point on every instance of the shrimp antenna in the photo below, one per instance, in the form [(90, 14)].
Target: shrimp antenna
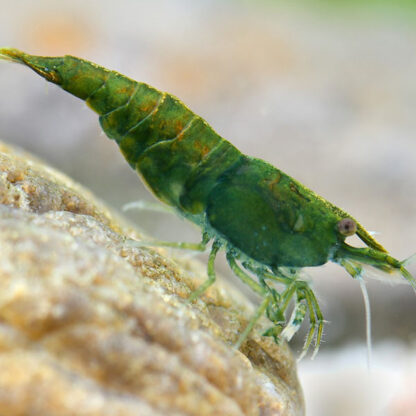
[(367, 320)]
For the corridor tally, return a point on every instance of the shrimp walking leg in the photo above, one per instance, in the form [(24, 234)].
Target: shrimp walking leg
[(262, 290), (316, 321), (149, 206), (244, 277), (211, 273), (257, 315), (296, 319), (305, 300), (173, 244)]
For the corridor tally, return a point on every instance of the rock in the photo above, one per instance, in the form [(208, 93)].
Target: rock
[(91, 325)]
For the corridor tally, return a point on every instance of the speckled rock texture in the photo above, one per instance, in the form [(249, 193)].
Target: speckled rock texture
[(91, 325)]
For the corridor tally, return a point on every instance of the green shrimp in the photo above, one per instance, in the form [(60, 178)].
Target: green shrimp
[(269, 225)]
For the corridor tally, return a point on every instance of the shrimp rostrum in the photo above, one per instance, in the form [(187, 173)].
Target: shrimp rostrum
[(269, 225)]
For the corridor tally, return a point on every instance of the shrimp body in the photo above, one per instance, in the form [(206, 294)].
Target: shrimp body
[(269, 224)]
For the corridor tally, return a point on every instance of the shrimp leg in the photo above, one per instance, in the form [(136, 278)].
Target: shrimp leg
[(173, 244), (211, 273)]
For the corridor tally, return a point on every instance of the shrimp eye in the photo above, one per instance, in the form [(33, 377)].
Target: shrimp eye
[(347, 227)]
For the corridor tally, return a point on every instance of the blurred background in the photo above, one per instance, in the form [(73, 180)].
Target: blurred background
[(323, 90)]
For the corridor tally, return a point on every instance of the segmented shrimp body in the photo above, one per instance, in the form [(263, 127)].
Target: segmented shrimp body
[(269, 224)]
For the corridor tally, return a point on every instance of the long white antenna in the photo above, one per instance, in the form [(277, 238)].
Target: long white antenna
[(367, 320)]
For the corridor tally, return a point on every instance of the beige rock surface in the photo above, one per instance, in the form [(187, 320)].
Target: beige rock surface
[(91, 325)]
